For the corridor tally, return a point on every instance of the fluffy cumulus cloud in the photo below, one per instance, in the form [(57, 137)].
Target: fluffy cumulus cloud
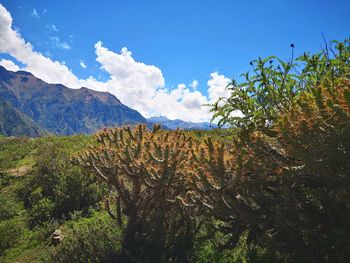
[(136, 84), (43, 67), (216, 86), (9, 64), (194, 84)]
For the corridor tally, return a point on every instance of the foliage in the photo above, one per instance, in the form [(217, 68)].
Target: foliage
[(89, 240), (41, 212), (11, 154), (288, 191), (5, 179), (51, 190), (207, 251), (8, 209), (58, 187), (12, 221), (275, 191), (9, 234), (275, 84)]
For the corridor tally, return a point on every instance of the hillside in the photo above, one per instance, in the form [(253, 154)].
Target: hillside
[(15, 123), (61, 110)]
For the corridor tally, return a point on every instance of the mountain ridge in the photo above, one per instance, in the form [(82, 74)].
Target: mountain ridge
[(177, 123), (43, 108), (15, 123), (61, 110)]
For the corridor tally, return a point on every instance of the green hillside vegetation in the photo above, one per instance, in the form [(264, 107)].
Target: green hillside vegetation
[(15, 123), (273, 188)]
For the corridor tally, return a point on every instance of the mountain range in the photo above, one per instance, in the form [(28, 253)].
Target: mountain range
[(32, 107), (174, 124)]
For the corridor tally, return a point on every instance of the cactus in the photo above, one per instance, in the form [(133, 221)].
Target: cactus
[(288, 192), (148, 173)]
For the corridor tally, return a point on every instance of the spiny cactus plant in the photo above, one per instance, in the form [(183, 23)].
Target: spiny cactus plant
[(218, 190), (316, 135), (147, 172), (288, 192)]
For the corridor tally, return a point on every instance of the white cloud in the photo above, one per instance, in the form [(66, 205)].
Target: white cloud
[(135, 83), (12, 43), (9, 64), (138, 85), (34, 13), (194, 84), (59, 44), (52, 27), (82, 64), (217, 86), (64, 45)]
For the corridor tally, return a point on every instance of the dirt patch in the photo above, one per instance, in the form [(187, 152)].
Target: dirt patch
[(20, 171)]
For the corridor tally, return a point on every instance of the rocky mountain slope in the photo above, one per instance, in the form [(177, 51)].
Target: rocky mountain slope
[(15, 123), (61, 110)]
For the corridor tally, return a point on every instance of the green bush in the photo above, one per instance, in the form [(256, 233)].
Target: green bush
[(8, 209), (58, 188), (13, 150), (41, 212), (9, 234), (92, 240), (5, 179), (273, 85)]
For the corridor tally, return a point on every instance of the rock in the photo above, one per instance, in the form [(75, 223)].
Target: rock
[(56, 237)]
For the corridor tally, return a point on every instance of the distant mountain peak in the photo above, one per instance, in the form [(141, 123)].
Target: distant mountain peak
[(25, 73), (61, 110), (177, 123)]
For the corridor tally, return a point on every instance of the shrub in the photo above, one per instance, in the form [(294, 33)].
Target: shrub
[(8, 209), (13, 150), (287, 180), (5, 179), (92, 240), (10, 231), (57, 187), (41, 212), (274, 85)]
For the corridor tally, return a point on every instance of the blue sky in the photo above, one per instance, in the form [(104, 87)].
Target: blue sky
[(183, 40)]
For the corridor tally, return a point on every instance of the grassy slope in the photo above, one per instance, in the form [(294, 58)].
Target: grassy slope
[(17, 165), (28, 245)]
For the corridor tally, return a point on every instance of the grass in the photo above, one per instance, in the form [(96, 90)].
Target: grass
[(17, 157)]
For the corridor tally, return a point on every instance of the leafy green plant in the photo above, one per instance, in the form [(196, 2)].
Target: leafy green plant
[(8, 209), (94, 240), (56, 188), (9, 234), (41, 212), (274, 84)]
